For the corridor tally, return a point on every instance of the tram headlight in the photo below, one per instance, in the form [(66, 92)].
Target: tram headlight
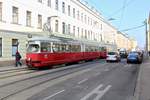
[(29, 59)]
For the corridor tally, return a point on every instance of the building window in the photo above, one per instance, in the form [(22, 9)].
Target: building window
[(28, 18), (0, 11), (14, 46), (82, 17), (74, 13), (15, 15), (48, 20), (68, 28), (101, 39), (91, 21), (56, 26), (40, 21), (89, 35), (101, 27), (68, 10), (88, 20), (63, 7), (86, 34), (0, 47), (49, 3), (63, 27), (78, 15), (74, 30), (78, 31), (56, 5), (85, 19), (82, 33), (40, 1)]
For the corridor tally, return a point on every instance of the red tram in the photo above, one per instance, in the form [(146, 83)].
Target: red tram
[(42, 51)]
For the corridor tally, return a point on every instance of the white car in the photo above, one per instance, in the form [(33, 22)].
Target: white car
[(113, 56)]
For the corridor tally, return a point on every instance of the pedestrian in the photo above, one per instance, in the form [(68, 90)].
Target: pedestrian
[(18, 57)]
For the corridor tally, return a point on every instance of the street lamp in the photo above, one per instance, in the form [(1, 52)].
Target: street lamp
[(146, 38), (47, 26), (110, 19)]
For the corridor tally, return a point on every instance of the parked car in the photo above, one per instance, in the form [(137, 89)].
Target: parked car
[(113, 56), (134, 57)]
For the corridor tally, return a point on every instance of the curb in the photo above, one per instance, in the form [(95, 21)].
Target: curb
[(138, 85)]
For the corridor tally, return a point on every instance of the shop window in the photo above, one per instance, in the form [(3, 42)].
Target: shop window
[(14, 46), (0, 47)]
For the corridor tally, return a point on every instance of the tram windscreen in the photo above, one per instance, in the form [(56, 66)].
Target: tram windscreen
[(33, 48)]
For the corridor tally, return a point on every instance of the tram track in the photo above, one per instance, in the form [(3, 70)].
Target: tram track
[(15, 73), (11, 69), (34, 79)]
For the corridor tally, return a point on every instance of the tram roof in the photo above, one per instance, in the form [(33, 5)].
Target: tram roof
[(89, 42), (44, 39)]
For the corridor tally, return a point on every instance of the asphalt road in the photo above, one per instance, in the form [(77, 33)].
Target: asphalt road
[(94, 80)]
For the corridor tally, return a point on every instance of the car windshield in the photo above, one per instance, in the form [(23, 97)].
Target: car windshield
[(111, 53), (133, 54), (33, 48)]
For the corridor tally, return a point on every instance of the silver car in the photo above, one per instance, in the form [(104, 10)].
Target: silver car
[(113, 56)]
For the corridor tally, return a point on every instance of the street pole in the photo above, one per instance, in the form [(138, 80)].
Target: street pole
[(149, 35), (146, 38)]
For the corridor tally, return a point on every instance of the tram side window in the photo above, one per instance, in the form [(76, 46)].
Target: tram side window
[(33, 48), (56, 47), (103, 49), (75, 48), (45, 47), (62, 48), (68, 48), (86, 48)]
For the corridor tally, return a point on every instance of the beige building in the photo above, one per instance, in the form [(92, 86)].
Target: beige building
[(133, 43), (124, 41)]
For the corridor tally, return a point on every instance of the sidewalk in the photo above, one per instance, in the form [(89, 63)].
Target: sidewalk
[(142, 91)]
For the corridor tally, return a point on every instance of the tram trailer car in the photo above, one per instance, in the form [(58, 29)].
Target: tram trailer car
[(52, 51)]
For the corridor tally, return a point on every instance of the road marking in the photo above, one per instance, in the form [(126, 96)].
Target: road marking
[(101, 93), (128, 65), (47, 98), (82, 81), (97, 74), (90, 94), (97, 91), (106, 69)]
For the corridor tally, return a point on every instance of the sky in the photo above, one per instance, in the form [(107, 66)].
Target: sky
[(127, 14)]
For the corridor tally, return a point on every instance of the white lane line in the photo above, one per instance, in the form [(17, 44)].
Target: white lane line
[(91, 93), (97, 74), (106, 69), (47, 98), (128, 65), (101, 93), (82, 81)]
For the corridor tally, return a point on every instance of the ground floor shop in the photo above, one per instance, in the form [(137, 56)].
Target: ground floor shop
[(9, 43)]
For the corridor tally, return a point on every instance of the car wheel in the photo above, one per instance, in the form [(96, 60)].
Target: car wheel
[(139, 62)]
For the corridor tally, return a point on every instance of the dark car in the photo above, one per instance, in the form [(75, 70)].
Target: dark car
[(123, 54), (134, 57)]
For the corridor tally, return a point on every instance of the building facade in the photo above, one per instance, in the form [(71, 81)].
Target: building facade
[(21, 19), (124, 41)]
